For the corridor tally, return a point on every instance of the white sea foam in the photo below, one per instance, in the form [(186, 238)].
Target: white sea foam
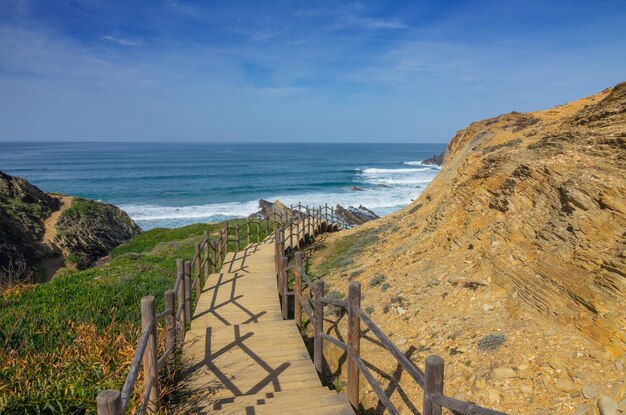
[(391, 171), (421, 163), (386, 190)]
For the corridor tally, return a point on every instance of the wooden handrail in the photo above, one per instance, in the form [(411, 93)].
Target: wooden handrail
[(404, 361), (314, 222), (208, 255)]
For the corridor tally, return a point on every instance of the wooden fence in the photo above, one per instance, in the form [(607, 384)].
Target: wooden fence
[(430, 380), (179, 301)]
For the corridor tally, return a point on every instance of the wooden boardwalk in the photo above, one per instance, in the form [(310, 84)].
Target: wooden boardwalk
[(240, 356)]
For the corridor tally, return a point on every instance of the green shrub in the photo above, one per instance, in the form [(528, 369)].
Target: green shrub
[(491, 342), (354, 274), (376, 280)]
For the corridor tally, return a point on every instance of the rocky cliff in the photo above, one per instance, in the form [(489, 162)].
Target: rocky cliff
[(40, 232), (512, 263)]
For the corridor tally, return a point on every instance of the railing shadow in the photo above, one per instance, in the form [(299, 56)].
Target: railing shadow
[(225, 383), (391, 379)]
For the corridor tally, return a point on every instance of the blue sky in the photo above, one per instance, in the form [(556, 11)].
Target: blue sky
[(396, 71)]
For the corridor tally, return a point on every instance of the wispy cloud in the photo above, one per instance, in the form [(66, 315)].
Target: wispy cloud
[(182, 8), (353, 21), (284, 91), (255, 35), (122, 41)]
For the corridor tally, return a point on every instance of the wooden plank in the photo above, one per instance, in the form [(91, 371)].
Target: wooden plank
[(226, 355)]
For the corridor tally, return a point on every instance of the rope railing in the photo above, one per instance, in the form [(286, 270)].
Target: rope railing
[(209, 256), (430, 380)]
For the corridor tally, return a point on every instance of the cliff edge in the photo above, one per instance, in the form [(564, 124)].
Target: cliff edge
[(536, 203), (41, 232), (512, 262)]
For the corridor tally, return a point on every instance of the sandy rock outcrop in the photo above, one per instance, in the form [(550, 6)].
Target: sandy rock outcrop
[(520, 237), (83, 232)]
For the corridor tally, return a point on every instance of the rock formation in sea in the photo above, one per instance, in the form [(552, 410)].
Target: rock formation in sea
[(355, 216), (41, 232), (512, 262), (435, 160), (350, 216)]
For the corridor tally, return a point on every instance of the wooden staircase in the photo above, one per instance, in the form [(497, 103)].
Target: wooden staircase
[(240, 356)]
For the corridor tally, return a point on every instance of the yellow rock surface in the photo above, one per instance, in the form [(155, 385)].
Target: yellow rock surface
[(522, 232)]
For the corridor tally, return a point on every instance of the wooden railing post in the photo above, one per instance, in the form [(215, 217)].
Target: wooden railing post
[(354, 342), (109, 402), (282, 240), (277, 253), (180, 274), (215, 255), (318, 314), (297, 305), (433, 383), (150, 357), (285, 288), (258, 232), (207, 245), (248, 230), (187, 291), (308, 221), (291, 233), (237, 229), (227, 236), (170, 327), (199, 271)]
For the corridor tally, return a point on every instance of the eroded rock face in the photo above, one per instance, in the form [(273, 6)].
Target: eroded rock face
[(23, 208), (89, 230), (82, 235), (536, 203), (514, 257), (355, 216)]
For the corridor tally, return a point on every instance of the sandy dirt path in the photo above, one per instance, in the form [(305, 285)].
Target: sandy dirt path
[(52, 264)]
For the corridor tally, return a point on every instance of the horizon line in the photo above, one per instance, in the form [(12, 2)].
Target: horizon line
[(210, 142)]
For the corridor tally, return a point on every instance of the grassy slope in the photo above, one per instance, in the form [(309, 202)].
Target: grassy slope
[(64, 341)]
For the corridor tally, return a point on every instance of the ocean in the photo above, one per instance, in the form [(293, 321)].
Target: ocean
[(175, 184)]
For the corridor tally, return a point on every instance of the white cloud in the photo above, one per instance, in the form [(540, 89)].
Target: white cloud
[(353, 21), (284, 91), (181, 8), (122, 41)]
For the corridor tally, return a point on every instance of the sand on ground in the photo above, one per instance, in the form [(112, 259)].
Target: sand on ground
[(52, 264)]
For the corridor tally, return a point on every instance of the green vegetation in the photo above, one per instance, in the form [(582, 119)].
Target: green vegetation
[(83, 207), (355, 273), (149, 240), (343, 252), (377, 280), (491, 342), (64, 341)]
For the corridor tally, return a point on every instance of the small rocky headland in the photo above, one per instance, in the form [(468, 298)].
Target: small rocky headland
[(41, 233)]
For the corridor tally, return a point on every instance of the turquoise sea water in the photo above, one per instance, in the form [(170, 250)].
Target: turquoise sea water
[(172, 184)]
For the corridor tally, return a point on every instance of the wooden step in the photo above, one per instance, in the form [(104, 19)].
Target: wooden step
[(306, 401), (240, 356)]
